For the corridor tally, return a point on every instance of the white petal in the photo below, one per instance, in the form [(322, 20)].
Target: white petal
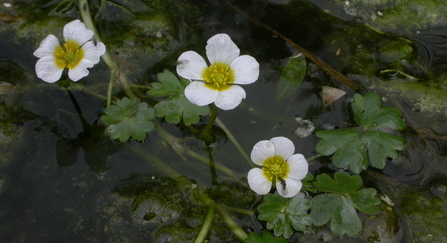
[(298, 167), (221, 48), (93, 52), (246, 70), (261, 151), (47, 70), (197, 93), (257, 181), (47, 46), (292, 188), (76, 30), (192, 65), (230, 98), (80, 70), (284, 147)]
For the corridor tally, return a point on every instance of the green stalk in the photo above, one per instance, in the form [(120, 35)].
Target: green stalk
[(206, 135), (116, 72), (159, 164), (206, 225), (314, 157), (181, 150), (234, 141)]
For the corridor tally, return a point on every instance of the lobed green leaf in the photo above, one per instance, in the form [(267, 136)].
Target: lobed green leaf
[(283, 215), (357, 147)]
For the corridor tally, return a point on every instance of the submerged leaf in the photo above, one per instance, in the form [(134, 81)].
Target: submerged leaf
[(282, 214), (291, 77), (357, 146)]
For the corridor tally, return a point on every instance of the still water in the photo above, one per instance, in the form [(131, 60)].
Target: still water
[(62, 179)]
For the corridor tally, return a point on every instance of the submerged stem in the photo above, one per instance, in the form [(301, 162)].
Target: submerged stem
[(116, 72), (234, 141), (206, 225), (326, 67), (155, 161)]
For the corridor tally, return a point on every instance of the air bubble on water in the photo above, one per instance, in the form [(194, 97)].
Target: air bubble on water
[(350, 9), (117, 220), (418, 107)]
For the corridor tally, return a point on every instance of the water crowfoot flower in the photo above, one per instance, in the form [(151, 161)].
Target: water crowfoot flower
[(77, 53), (219, 82), (279, 166)]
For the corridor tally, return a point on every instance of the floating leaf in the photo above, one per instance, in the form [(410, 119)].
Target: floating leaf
[(169, 85), (265, 238), (282, 214), (339, 204), (291, 77), (128, 118), (175, 107), (356, 146)]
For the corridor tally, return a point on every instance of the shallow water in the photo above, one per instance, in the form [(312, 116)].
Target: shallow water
[(62, 179)]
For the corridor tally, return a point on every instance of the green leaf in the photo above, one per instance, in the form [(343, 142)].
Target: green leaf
[(340, 209), (291, 77), (177, 106), (340, 204), (128, 118), (343, 183), (265, 238), (357, 147), (282, 214), (369, 114), (169, 85)]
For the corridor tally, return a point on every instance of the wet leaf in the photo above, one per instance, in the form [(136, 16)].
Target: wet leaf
[(176, 107), (128, 118), (282, 214), (169, 85), (340, 202), (291, 77), (357, 146), (265, 238)]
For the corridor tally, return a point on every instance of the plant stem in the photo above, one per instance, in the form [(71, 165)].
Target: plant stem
[(232, 224), (116, 72), (326, 67), (234, 141), (314, 157), (181, 150), (206, 135), (206, 225), (155, 161)]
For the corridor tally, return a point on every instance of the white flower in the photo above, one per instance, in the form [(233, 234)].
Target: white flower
[(77, 53), (218, 82), (278, 165)]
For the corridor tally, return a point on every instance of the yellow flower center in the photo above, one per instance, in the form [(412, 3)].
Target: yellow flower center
[(68, 55), (218, 76), (275, 168)]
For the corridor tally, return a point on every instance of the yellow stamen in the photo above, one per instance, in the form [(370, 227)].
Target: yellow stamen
[(275, 168), (218, 76), (68, 55)]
